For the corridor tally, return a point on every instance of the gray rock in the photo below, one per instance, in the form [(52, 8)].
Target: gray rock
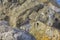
[(8, 33)]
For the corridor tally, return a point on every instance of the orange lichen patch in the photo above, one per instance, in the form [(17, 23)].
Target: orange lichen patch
[(38, 34), (45, 38), (44, 32)]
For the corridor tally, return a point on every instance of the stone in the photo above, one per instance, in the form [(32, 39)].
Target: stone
[(9, 33)]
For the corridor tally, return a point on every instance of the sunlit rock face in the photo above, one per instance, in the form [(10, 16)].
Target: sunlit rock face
[(44, 32), (17, 9), (19, 18)]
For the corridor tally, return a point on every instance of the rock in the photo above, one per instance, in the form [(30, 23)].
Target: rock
[(26, 15), (2, 15), (4, 27), (9, 33), (21, 1), (17, 35)]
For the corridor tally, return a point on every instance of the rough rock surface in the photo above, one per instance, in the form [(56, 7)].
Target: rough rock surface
[(34, 16), (8, 33), (44, 32)]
